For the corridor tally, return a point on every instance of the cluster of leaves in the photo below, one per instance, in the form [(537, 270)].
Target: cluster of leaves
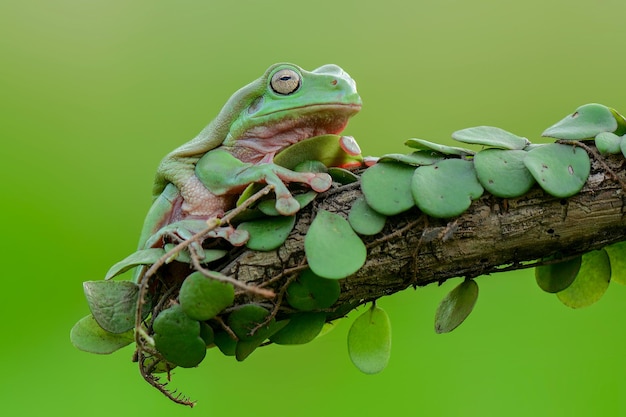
[(175, 307)]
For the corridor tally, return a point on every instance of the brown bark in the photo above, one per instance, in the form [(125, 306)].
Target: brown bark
[(493, 235)]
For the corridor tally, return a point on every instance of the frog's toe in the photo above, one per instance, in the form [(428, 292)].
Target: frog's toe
[(321, 182), (287, 206), (238, 237), (234, 236)]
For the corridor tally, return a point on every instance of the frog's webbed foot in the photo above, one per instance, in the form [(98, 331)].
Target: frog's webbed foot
[(186, 229), (234, 236), (222, 174), (286, 204)]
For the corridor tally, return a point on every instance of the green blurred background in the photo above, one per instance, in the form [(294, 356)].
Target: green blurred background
[(94, 93)]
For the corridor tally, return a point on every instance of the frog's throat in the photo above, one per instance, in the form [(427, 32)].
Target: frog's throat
[(259, 141)]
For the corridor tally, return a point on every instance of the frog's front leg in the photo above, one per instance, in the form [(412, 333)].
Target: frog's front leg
[(223, 174)]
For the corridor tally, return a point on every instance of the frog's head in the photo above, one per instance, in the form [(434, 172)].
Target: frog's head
[(289, 104)]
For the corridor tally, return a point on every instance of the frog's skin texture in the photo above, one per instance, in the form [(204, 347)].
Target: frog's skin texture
[(286, 105)]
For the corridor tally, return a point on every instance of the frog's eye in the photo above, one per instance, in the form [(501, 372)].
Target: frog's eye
[(285, 82)]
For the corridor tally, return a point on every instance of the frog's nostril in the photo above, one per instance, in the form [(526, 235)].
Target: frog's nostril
[(334, 82)]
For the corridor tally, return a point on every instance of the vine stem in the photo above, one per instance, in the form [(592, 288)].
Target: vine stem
[(598, 158), (141, 335)]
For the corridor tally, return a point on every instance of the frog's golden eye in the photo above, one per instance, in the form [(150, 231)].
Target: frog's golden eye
[(285, 82)]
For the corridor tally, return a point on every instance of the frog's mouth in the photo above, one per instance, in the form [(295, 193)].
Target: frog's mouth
[(262, 141)]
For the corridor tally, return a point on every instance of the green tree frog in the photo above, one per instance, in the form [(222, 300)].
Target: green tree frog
[(203, 178)]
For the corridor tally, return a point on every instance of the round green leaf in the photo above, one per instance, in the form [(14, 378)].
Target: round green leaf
[(302, 328), (245, 319), (369, 341), (342, 176), (268, 233), (364, 220), (184, 350), (311, 292), (490, 136), (617, 258), (332, 248), (585, 123), (590, 283), (447, 188), (556, 277), (174, 321), (112, 303), (141, 257), (202, 298), (177, 337), (245, 347), (425, 145), (207, 334), (225, 343), (326, 148), (87, 335), (623, 146), (456, 306), (387, 187), (561, 170), (417, 158), (503, 173), (608, 143)]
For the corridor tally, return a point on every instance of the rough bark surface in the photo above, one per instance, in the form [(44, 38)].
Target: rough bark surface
[(494, 234)]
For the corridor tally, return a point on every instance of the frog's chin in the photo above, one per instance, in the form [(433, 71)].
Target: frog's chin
[(261, 141)]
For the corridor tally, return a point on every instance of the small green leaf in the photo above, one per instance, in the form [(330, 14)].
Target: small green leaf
[(311, 292), (184, 350), (245, 347), (556, 277), (244, 320), (456, 306), (417, 158), (369, 341), (342, 176), (87, 335), (302, 328), (590, 283), (585, 123), (112, 303), (225, 343), (202, 298), (174, 321), (332, 248), (447, 188), (207, 334), (310, 166), (326, 148), (268, 233), (177, 337), (490, 136), (608, 143), (387, 187), (425, 145), (141, 257), (561, 170), (503, 173), (617, 258), (364, 220)]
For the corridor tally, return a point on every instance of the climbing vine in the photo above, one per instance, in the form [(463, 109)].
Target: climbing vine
[(178, 303)]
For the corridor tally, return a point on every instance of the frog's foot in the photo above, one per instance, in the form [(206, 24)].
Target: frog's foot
[(285, 203), (233, 236), (199, 201)]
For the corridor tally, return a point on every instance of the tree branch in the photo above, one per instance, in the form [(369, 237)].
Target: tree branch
[(495, 234)]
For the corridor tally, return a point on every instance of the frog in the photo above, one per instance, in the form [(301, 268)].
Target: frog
[(203, 178)]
